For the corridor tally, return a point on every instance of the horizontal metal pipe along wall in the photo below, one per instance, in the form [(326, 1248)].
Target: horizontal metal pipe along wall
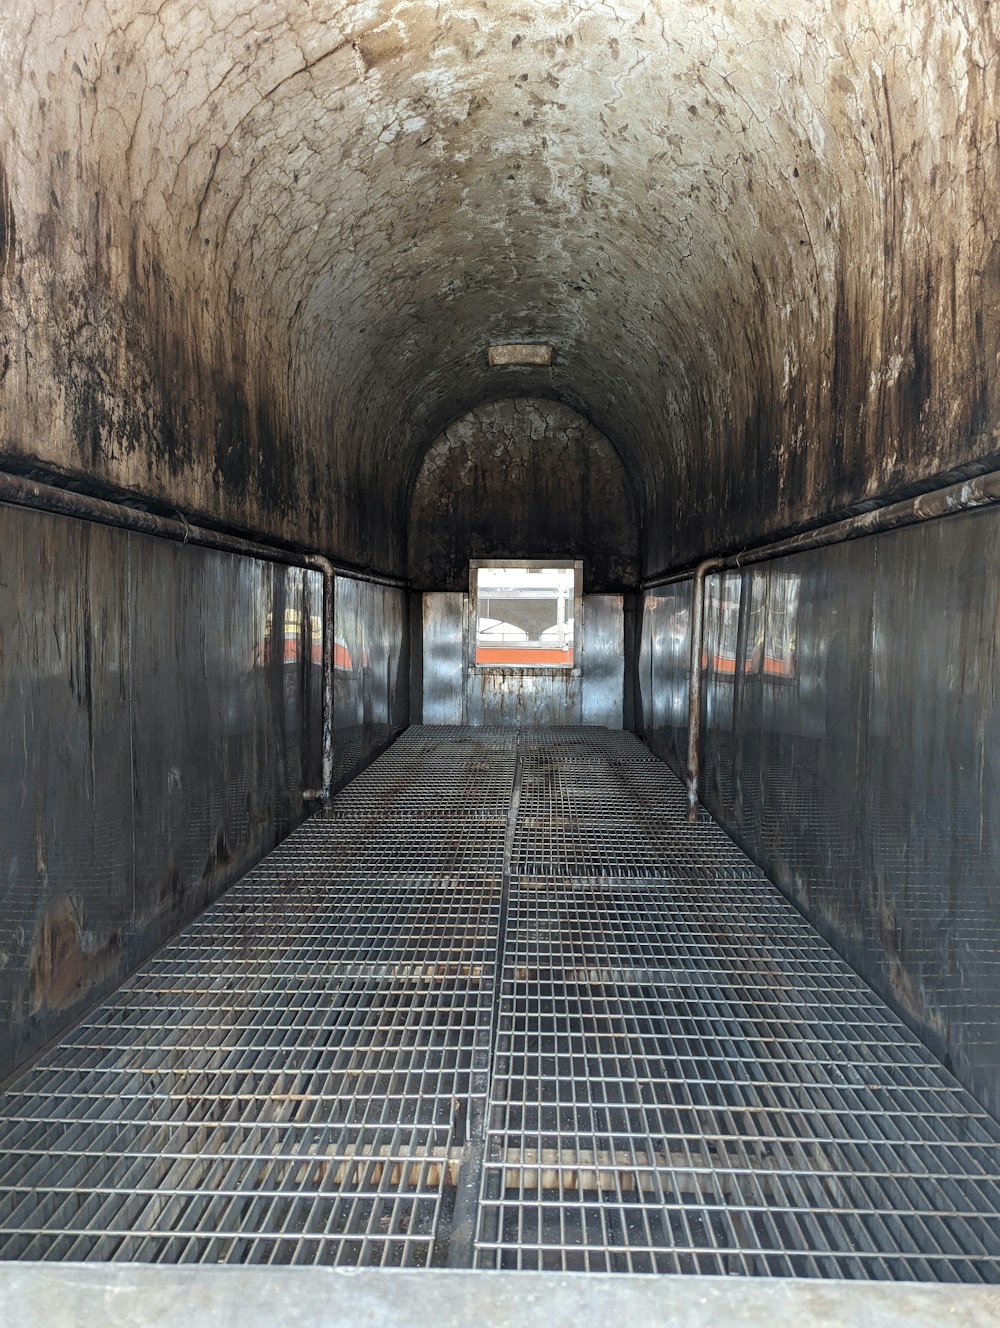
[(160, 709), (962, 496), (22, 491), (861, 769)]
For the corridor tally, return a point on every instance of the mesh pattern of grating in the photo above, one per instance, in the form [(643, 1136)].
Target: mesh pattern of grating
[(687, 1080), (502, 965)]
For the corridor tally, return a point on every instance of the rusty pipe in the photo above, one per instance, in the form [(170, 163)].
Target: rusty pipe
[(694, 686), (19, 491), (966, 496)]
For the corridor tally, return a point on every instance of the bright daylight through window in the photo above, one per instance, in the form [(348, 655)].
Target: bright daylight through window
[(525, 614)]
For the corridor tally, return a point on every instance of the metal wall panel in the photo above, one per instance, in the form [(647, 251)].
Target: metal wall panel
[(859, 767), (456, 692), (523, 696), (226, 714), (159, 716), (603, 696), (932, 868), (65, 786), (446, 625), (371, 684), (648, 616), (663, 670)]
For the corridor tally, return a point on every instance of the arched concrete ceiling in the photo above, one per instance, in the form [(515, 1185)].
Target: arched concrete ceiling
[(253, 253)]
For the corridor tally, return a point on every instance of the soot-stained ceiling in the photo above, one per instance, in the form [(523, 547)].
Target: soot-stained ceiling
[(252, 255)]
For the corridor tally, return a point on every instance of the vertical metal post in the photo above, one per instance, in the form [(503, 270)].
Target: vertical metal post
[(694, 684), (325, 790), (329, 579), (739, 690)]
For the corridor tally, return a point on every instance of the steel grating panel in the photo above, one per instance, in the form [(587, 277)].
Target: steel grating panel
[(290, 1080), (582, 742), (461, 796), (435, 737), (622, 847), (502, 1007), (442, 849), (687, 1079), (357, 1196)]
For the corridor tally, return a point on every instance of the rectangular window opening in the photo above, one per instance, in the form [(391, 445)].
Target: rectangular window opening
[(525, 614)]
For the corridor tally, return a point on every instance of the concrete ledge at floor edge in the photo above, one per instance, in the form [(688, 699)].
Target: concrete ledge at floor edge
[(69, 1295)]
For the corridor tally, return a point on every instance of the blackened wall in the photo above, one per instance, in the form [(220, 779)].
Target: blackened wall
[(854, 750), (522, 478), (160, 715)]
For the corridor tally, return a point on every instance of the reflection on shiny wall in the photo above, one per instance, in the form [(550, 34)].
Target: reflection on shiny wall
[(445, 647), (370, 680), (852, 745), (456, 691), (159, 718)]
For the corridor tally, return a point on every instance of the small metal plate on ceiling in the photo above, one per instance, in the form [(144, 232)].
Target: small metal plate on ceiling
[(522, 353)]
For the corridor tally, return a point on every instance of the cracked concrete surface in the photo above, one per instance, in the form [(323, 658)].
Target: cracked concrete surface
[(251, 255)]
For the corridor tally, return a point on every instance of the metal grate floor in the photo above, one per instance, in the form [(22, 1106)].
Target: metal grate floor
[(503, 1007)]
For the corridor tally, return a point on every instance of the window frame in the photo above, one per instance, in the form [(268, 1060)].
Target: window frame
[(529, 565)]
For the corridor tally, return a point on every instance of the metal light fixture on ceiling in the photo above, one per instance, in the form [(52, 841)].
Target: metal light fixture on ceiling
[(520, 353)]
